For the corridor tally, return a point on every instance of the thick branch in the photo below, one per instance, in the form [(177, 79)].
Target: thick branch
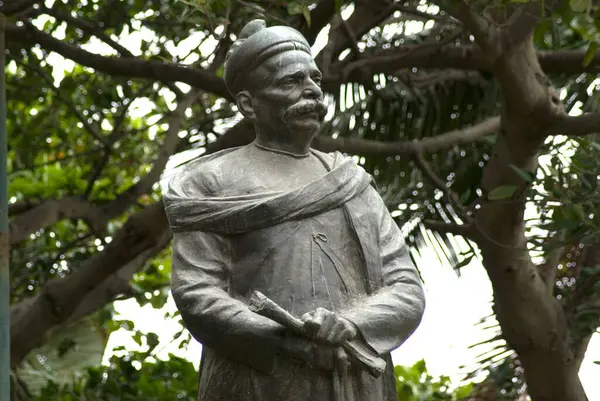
[(525, 18), (426, 145), (532, 320), (319, 18), (59, 298), (119, 282), (584, 124), (435, 56), (21, 207), (463, 230), (52, 211), (365, 16), (243, 133), (124, 66), (479, 26)]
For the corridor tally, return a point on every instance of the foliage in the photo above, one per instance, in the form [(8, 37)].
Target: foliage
[(415, 384), (137, 377), (130, 378)]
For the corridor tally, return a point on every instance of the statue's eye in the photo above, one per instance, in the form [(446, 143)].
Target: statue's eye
[(289, 81), (317, 80)]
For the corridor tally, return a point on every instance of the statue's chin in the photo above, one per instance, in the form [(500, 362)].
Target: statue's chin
[(306, 122)]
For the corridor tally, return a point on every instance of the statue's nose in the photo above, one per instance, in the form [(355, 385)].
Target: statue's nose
[(312, 90)]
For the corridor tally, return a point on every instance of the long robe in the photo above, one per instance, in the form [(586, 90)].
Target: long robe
[(330, 243)]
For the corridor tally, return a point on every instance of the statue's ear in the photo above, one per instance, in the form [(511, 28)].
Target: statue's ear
[(244, 104)]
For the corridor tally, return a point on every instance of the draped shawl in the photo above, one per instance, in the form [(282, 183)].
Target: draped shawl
[(188, 209)]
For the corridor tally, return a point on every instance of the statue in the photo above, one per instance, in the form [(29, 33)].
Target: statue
[(287, 266)]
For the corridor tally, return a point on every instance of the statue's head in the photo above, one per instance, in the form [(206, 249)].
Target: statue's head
[(275, 80)]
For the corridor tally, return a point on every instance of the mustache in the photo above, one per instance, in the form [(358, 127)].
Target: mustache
[(305, 106)]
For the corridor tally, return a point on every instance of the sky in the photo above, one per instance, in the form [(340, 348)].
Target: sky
[(454, 304)]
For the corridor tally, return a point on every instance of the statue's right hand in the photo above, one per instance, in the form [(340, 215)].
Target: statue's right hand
[(318, 355)]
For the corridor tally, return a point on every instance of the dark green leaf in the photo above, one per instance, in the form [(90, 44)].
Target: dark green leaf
[(503, 192), (590, 53), (527, 176)]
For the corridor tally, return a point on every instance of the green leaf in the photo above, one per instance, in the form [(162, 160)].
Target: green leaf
[(306, 13), (137, 337), (597, 287), (294, 8), (152, 340), (465, 196), (527, 176), (580, 6), (503, 192), (464, 391), (590, 53)]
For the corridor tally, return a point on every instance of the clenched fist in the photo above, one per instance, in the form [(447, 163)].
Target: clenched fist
[(328, 327)]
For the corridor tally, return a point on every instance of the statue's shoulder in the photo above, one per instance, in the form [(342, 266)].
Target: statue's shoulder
[(206, 175), (332, 159)]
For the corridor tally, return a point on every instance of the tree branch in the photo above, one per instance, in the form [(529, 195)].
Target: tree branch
[(441, 185), (243, 133), (320, 16), (52, 211), (32, 318), (89, 27), (117, 133), (524, 20), (548, 269), (585, 124), (21, 207), (476, 24), (426, 145), (436, 56), (423, 16), (124, 66), (119, 282), (168, 148), (463, 230), (9, 7), (94, 130)]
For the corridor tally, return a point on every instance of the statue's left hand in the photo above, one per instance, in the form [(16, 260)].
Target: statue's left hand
[(328, 327)]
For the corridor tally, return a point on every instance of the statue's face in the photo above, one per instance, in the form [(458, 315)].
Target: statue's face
[(286, 95)]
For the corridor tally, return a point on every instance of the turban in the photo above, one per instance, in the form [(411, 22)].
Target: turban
[(255, 44)]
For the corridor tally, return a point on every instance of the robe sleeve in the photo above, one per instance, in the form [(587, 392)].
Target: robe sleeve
[(213, 317), (390, 315)]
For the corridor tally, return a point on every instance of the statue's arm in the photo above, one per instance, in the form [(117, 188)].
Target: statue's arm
[(213, 317), (390, 315)]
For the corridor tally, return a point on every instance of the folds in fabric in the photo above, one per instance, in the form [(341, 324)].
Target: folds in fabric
[(189, 209)]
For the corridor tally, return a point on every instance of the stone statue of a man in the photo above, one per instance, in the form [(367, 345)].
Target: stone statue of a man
[(305, 228)]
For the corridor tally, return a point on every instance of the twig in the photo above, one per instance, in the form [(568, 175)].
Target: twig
[(441, 185), (464, 230), (479, 26), (88, 27), (548, 269), (94, 131), (423, 15)]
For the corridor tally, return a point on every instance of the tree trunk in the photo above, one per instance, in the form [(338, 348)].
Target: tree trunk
[(532, 320)]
